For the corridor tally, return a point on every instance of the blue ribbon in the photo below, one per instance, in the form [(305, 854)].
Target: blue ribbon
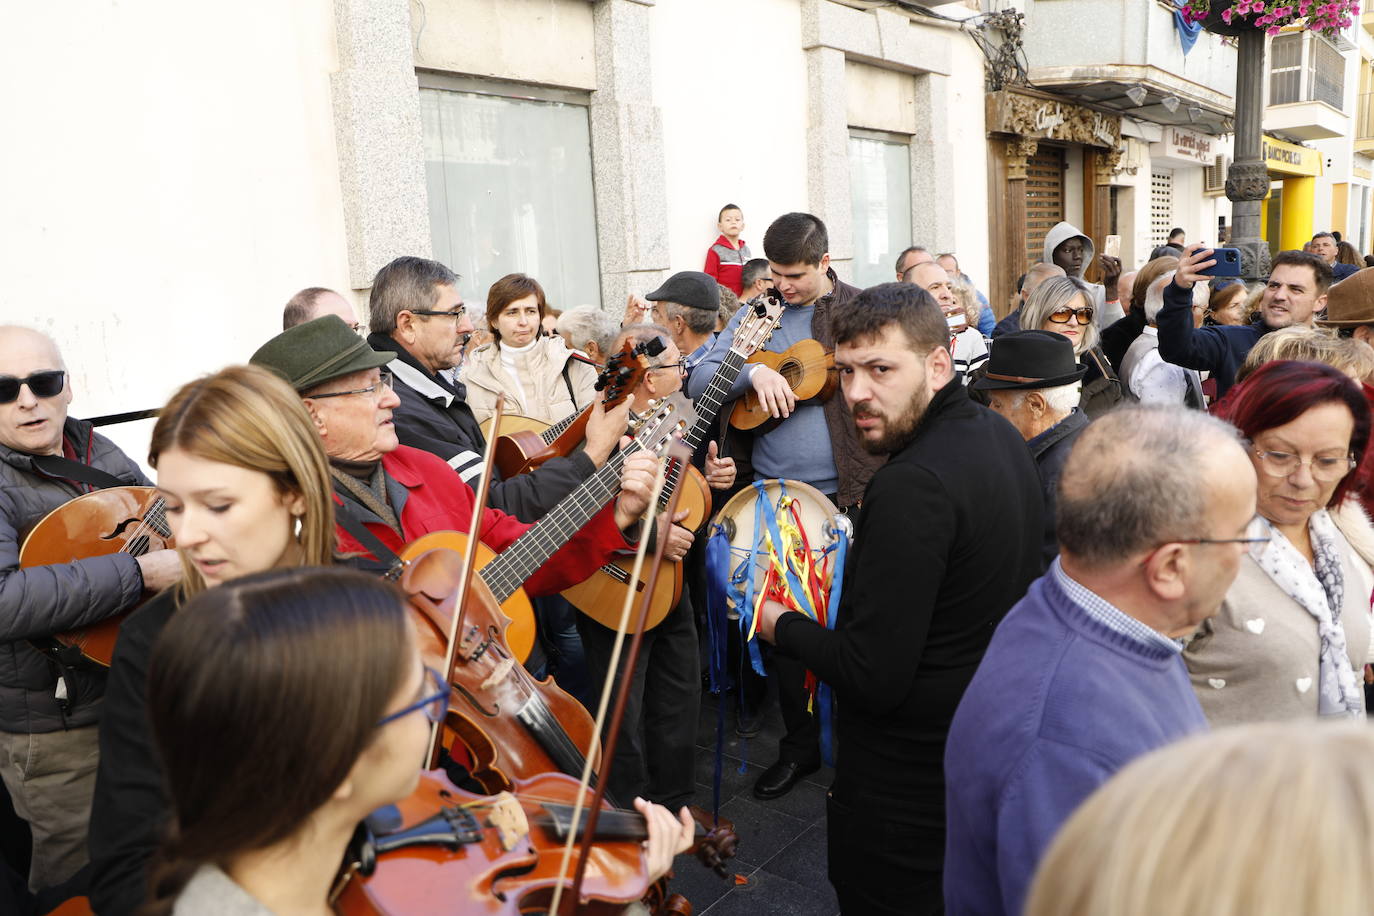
[(823, 692), (717, 638), (1187, 31)]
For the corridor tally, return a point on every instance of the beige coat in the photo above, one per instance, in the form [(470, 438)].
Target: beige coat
[(1257, 659), (546, 396)]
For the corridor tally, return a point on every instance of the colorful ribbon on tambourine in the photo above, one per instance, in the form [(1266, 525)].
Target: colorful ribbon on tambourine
[(794, 575)]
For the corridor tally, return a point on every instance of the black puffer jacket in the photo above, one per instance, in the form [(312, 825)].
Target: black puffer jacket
[(45, 600)]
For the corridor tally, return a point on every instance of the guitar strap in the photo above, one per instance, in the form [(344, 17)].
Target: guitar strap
[(371, 543), (58, 466)]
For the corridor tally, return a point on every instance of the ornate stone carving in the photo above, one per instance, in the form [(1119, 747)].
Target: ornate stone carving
[(1019, 149), (1013, 113), (1247, 181), (1108, 165)]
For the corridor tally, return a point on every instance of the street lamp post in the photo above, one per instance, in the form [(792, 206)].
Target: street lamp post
[(1247, 181)]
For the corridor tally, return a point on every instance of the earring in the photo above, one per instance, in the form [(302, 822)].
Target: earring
[(296, 532)]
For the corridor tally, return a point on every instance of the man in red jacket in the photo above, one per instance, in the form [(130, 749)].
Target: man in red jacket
[(399, 493)]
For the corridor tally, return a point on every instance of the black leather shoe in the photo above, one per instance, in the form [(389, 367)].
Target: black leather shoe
[(778, 780)]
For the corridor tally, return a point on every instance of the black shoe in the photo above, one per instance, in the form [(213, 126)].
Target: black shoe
[(779, 779), (748, 724)]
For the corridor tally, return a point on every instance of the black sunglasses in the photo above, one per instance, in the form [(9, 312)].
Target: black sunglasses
[(46, 384)]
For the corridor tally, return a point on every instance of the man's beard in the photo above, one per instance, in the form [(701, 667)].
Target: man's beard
[(896, 431)]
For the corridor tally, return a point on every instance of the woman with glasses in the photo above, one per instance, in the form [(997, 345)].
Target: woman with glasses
[(1064, 306), (1291, 639), (328, 720), (247, 489), (540, 376)]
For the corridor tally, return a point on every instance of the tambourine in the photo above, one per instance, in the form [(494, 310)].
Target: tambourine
[(822, 523)]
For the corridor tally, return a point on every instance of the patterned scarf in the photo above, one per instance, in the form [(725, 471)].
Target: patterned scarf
[(1320, 589)]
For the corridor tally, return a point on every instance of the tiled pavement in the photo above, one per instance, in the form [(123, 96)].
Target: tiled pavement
[(780, 867)]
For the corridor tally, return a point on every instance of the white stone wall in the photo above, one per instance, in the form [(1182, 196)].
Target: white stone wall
[(174, 181)]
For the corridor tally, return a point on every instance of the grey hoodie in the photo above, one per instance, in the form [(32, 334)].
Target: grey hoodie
[(1058, 235)]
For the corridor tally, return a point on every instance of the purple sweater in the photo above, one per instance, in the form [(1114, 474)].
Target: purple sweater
[(1059, 704)]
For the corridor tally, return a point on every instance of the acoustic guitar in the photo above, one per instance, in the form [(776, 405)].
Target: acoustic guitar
[(522, 447), (128, 520), (505, 572), (601, 596), (809, 369)]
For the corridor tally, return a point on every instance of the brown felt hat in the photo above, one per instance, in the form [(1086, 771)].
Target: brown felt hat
[(1350, 303), (315, 352)]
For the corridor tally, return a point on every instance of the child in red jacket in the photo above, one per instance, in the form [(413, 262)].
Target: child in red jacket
[(725, 258)]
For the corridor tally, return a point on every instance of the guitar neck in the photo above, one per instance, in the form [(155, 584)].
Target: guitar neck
[(707, 407), (550, 435), (512, 566)]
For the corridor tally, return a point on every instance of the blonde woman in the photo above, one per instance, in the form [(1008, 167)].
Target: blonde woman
[(247, 487), (1258, 820), (540, 376), (1064, 305)]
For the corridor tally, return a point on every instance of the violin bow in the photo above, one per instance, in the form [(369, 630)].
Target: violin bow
[(675, 451), (479, 505)]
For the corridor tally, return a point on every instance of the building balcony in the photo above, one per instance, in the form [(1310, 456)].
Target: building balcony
[(1306, 88), (1125, 55)]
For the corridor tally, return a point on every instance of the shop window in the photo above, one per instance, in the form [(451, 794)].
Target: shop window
[(880, 195), (510, 186)]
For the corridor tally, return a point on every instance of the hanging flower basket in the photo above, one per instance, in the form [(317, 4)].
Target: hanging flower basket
[(1235, 17)]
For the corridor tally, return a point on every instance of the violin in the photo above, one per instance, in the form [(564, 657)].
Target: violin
[(521, 450), (443, 850), (513, 725)]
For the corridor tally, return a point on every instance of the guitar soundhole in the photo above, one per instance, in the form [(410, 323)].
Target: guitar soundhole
[(792, 371)]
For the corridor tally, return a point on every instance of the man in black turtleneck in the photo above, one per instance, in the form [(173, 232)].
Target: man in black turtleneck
[(416, 315)]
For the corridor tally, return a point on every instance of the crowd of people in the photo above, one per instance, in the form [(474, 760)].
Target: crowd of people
[(1108, 551)]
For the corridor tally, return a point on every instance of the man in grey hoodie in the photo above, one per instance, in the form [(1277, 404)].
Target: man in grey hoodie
[(1073, 251)]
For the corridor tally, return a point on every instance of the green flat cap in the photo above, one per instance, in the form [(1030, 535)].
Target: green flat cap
[(315, 352)]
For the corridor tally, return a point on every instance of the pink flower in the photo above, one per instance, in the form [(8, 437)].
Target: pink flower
[(1226, 16), (1273, 30)]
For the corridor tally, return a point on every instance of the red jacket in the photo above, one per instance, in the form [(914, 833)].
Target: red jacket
[(725, 262), (439, 501)]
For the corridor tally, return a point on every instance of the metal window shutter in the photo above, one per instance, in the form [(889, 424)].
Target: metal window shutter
[(1161, 205), (1044, 198)]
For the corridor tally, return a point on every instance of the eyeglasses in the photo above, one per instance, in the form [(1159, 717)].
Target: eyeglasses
[(375, 390), (46, 384), (436, 313), (434, 705), (1323, 467), (680, 366), (1259, 540), (1062, 315)]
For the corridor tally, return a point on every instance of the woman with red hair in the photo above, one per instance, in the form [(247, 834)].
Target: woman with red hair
[(1292, 637)]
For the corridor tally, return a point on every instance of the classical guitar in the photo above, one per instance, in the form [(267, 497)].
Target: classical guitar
[(601, 596), (520, 449), (809, 369), (114, 520)]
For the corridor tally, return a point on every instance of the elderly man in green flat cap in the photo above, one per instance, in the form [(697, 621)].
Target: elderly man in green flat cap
[(394, 493)]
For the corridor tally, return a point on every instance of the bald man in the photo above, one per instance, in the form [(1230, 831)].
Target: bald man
[(1038, 274), (50, 700), (314, 302)]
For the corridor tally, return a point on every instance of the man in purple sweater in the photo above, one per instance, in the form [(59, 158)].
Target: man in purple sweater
[(1083, 675)]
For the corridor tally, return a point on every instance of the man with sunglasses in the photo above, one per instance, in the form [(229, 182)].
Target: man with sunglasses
[(1086, 672), (416, 315), (49, 700)]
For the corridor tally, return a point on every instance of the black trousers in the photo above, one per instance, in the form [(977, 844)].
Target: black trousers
[(882, 862), (655, 755)]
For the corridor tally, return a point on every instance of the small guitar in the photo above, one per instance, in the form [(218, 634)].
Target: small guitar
[(809, 370), (114, 520), (601, 596), (520, 450)]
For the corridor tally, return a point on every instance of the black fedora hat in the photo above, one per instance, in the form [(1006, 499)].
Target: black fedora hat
[(1030, 359)]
